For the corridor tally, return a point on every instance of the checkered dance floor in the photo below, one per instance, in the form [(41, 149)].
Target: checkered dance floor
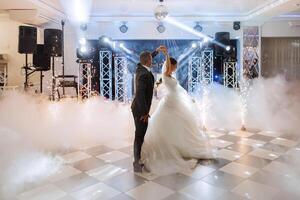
[(250, 165)]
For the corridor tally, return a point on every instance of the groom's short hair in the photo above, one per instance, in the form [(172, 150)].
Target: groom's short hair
[(144, 57)]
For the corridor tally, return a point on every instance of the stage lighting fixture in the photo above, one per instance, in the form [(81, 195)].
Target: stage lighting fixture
[(82, 41), (83, 49), (122, 45), (198, 27), (161, 11), (228, 48), (194, 45), (105, 40), (123, 28), (236, 26), (161, 28), (83, 27), (206, 39)]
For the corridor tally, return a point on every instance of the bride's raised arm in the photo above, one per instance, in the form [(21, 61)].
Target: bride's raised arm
[(168, 71)]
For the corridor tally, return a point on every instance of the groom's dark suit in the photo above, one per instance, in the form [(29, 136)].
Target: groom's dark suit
[(141, 104)]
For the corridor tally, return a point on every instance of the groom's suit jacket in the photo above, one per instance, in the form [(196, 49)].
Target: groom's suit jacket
[(144, 84)]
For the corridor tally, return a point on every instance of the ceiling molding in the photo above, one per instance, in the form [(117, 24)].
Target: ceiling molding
[(45, 5), (256, 14)]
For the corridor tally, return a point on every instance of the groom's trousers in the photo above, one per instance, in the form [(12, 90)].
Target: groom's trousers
[(140, 131)]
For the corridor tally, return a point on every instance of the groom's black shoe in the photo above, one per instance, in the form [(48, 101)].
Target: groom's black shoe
[(137, 167)]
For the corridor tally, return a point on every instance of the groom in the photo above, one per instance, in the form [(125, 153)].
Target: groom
[(141, 104)]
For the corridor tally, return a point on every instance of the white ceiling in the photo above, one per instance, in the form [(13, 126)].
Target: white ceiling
[(109, 10)]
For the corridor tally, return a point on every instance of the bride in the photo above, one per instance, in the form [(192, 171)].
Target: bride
[(173, 138)]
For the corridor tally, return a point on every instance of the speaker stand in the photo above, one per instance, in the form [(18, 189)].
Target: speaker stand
[(53, 79), (63, 54), (26, 73), (41, 82)]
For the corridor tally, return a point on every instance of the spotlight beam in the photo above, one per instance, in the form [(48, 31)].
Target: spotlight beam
[(184, 27), (186, 54)]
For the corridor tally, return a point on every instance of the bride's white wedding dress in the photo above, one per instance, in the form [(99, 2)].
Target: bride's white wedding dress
[(173, 136)]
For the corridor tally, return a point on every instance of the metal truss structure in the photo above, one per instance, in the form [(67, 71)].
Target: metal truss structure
[(105, 61), (207, 65), (194, 74), (85, 80), (121, 79), (3, 75), (230, 74)]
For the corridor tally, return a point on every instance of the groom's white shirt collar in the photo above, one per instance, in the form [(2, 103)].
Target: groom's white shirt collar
[(148, 68)]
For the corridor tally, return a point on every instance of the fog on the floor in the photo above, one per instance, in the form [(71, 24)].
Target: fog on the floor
[(32, 127)]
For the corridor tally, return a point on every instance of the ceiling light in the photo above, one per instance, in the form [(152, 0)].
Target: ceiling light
[(123, 28), (83, 27), (198, 27), (161, 28)]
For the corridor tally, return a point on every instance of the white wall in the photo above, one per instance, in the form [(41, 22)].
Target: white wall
[(279, 29), (9, 33)]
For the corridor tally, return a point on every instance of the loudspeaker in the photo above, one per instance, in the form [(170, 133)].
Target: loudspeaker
[(53, 42), (223, 38), (236, 26), (41, 60), (27, 39)]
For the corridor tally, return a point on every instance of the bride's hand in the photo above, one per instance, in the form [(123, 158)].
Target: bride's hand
[(164, 51)]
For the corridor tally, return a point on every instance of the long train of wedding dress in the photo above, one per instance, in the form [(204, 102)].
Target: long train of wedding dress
[(173, 135)]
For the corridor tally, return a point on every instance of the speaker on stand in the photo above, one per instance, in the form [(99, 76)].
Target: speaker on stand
[(53, 47), (41, 62), (27, 45)]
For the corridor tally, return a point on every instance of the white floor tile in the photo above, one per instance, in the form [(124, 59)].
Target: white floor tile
[(106, 172), (238, 169), (251, 142), (283, 169), (113, 156), (97, 191), (252, 190), (284, 142), (262, 153), (220, 143), (202, 190), (64, 172), (148, 176), (150, 191), (214, 134), (199, 172), (228, 154), (270, 133), (46, 192), (241, 133), (75, 157)]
